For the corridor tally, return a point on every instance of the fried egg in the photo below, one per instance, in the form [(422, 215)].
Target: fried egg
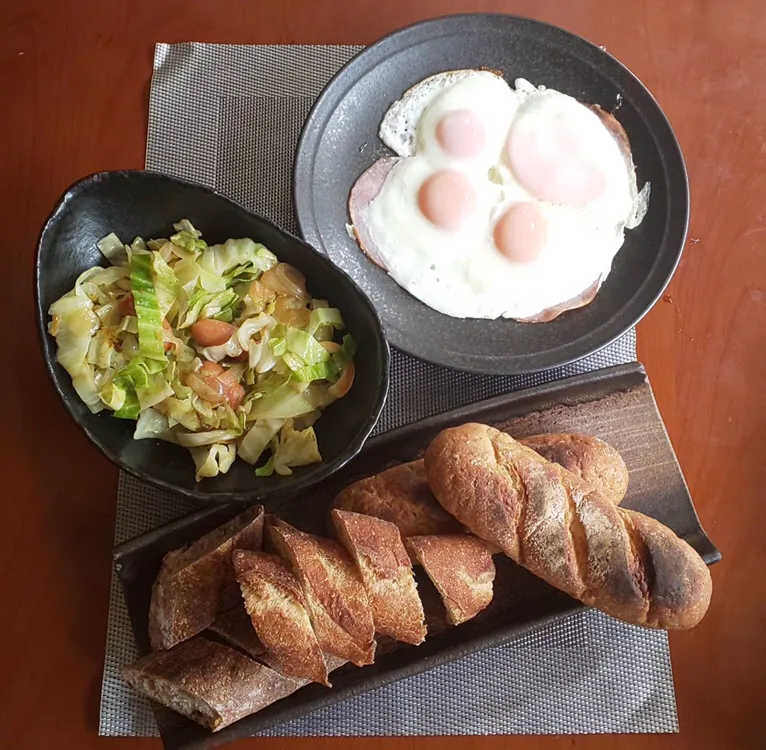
[(503, 202)]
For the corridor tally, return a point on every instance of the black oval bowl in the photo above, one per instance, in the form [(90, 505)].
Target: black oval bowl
[(146, 204), (340, 141)]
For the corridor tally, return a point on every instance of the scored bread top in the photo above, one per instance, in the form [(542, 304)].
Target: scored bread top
[(335, 596), (277, 608), (196, 583), (461, 568), (564, 531), (376, 547)]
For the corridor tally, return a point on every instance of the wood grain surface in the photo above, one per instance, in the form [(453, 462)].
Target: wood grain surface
[(74, 75)]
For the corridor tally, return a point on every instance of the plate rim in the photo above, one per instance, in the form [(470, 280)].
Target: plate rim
[(304, 164)]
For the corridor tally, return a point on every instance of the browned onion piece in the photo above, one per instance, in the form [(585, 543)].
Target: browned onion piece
[(285, 279), (291, 312)]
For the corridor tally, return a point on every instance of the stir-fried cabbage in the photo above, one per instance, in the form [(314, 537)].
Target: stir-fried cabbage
[(217, 348)]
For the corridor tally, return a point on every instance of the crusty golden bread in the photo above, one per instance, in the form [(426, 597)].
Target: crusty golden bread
[(196, 583), (335, 596), (460, 567), (376, 547), (400, 495), (589, 458), (277, 609), (208, 682), (562, 530), (234, 628)]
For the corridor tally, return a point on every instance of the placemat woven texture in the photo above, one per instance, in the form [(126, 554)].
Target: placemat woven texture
[(229, 117)]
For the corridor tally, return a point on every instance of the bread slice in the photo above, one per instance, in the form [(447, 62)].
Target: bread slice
[(196, 583), (234, 628), (277, 609), (208, 682), (336, 600), (376, 547), (461, 568)]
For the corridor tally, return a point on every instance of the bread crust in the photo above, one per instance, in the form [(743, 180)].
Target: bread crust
[(562, 530), (377, 549), (208, 682), (460, 567), (196, 583), (586, 456), (399, 495), (402, 496), (277, 608), (335, 596)]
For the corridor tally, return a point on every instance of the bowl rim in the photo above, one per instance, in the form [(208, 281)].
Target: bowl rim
[(301, 482), (321, 112)]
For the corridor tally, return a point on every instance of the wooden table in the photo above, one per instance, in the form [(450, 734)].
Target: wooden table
[(75, 78)]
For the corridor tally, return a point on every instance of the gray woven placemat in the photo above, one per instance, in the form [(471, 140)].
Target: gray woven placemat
[(229, 117)]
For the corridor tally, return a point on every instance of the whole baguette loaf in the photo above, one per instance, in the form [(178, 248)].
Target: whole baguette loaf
[(562, 530), (196, 583), (208, 682)]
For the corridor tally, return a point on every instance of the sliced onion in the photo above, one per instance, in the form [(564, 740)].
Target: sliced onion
[(231, 348), (291, 312), (285, 279), (251, 326)]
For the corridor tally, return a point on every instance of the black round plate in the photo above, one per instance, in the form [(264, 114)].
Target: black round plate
[(340, 140)]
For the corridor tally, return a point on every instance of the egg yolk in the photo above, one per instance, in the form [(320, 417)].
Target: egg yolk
[(521, 232), (557, 165), (446, 198), (461, 133)]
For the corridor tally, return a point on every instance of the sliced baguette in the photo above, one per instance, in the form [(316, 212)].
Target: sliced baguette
[(336, 600), (234, 628), (461, 568), (208, 682), (376, 547), (196, 583), (277, 609)]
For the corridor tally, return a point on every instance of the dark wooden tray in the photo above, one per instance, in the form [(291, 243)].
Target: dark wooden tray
[(614, 403)]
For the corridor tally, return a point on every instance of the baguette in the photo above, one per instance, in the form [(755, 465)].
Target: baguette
[(196, 583), (376, 547), (562, 530), (277, 609), (335, 597), (589, 458), (208, 682), (402, 496), (234, 628), (460, 567)]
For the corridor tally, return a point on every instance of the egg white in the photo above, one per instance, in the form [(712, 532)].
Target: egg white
[(462, 273)]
